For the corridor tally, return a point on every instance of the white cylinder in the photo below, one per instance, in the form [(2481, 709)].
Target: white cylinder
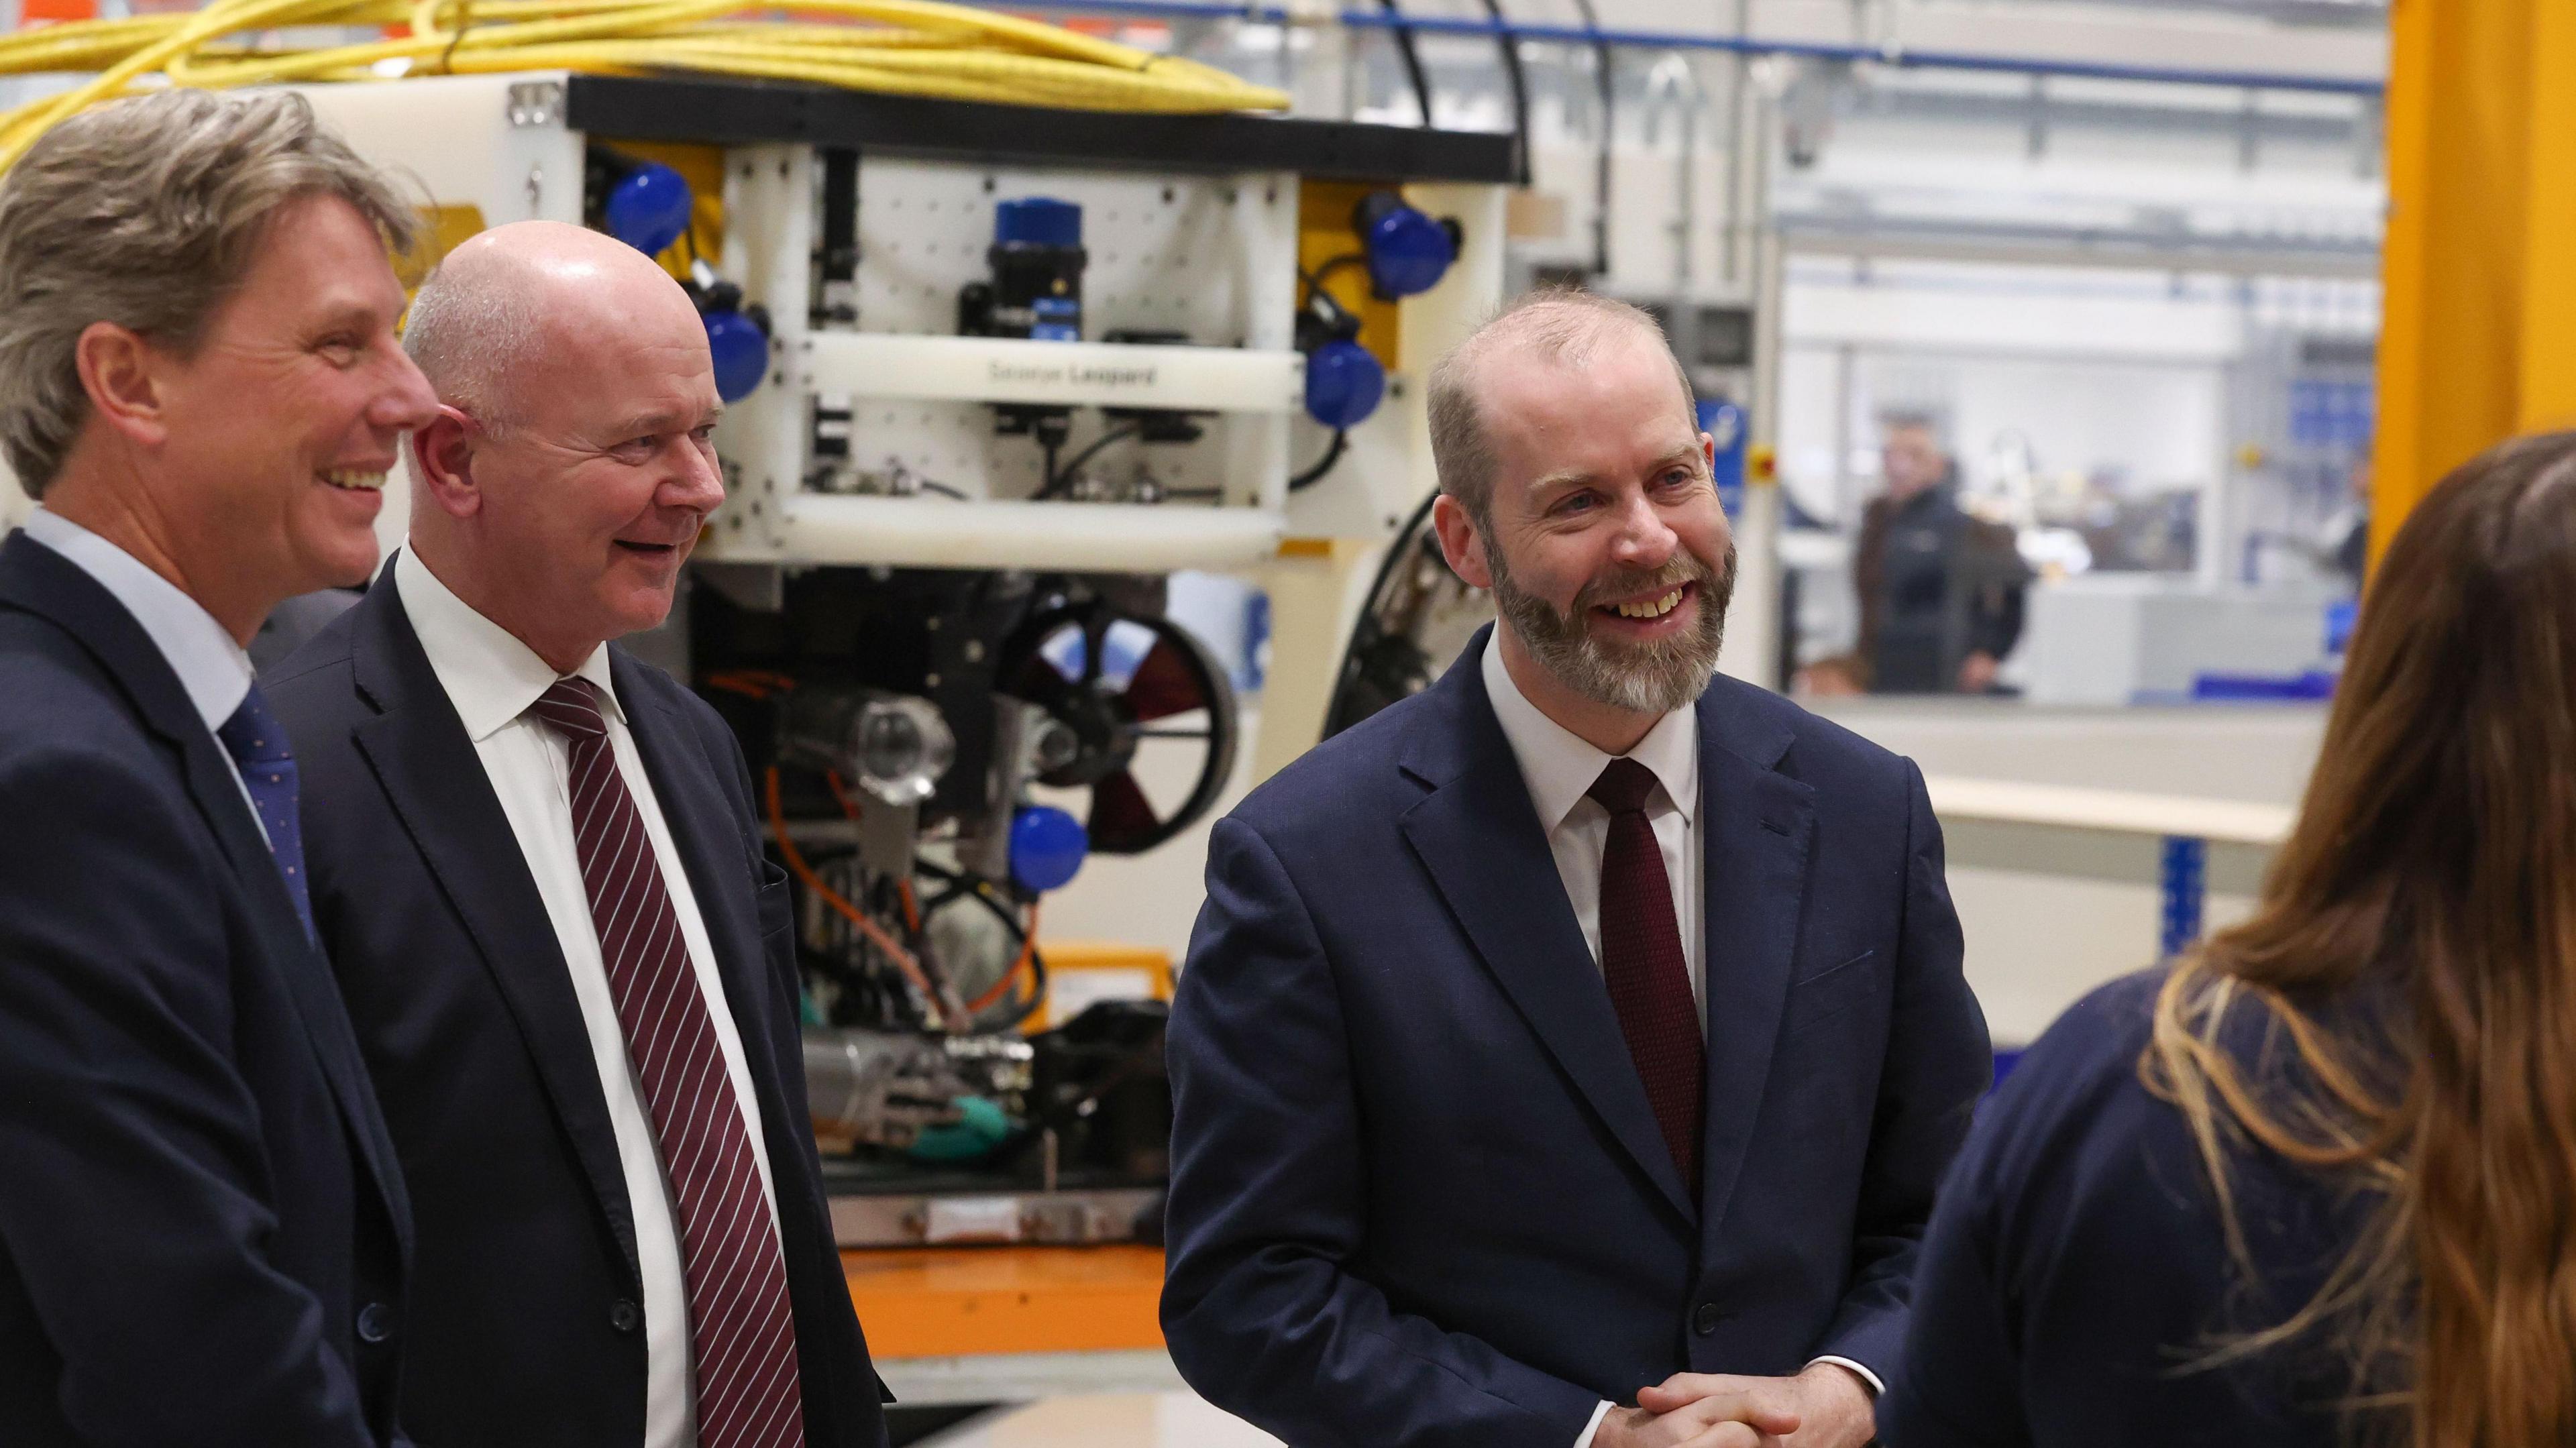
[(1057, 537)]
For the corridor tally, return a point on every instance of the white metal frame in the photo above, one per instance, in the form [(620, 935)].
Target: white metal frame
[(1217, 253)]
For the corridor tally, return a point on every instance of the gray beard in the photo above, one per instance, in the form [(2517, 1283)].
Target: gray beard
[(1654, 678)]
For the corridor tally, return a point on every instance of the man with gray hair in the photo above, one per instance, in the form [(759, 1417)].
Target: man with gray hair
[(203, 1232), (541, 879), (1566, 1055)]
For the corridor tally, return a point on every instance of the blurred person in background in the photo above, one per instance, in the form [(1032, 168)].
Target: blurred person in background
[(2346, 541), (204, 1239), (2316, 1185), (1940, 591)]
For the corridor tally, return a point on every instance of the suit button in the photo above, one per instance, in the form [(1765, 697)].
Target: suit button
[(375, 1322), (623, 1315), (1704, 1318)]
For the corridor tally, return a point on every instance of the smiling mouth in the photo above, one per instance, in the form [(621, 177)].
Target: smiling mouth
[(645, 548), (354, 480), (1650, 608)]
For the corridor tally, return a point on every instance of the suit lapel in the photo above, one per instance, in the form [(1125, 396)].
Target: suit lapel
[(1757, 842), (43, 582), (419, 752), (300, 962), (705, 833), (1480, 838)]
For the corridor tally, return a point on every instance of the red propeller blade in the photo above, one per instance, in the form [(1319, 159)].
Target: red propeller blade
[(1163, 685), (1120, 812)]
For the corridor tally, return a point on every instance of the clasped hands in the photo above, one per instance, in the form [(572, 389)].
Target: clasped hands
[(1824, 1407)]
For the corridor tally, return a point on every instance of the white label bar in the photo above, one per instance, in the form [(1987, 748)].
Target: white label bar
[(888, 366)]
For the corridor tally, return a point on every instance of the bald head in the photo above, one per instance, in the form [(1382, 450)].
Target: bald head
[(1555, 326), (573, 460), (515, 296)]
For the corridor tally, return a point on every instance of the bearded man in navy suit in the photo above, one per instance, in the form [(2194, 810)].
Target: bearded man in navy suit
[(1566, 1056)]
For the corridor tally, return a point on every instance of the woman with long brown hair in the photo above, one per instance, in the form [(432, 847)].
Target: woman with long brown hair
[(2316, 1184)]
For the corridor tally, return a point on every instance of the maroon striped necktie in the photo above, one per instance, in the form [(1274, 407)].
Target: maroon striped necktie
[(1643, 964), (740, 1324)]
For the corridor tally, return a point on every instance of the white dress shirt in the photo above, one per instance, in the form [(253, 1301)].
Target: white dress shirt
[(493, 679), (210, 663), (1559, 767)]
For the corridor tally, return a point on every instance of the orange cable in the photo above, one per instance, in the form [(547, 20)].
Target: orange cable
[(903, 887), (758, 683), (1028, 954), (875, 933), (912, 910)]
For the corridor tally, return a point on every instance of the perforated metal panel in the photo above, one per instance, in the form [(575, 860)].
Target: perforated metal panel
[(1169, 254)]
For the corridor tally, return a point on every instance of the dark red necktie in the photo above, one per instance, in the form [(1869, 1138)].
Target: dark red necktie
[(1642, 961), (740, 1324)]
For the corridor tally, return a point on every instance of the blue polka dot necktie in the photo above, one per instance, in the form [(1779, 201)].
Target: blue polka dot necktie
[(259, 750)]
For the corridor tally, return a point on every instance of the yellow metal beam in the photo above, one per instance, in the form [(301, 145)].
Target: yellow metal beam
[(952, 1301), (2478, 321), (2548, 395)]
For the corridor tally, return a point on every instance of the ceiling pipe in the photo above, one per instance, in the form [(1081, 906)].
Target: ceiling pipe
[(1747, 45)]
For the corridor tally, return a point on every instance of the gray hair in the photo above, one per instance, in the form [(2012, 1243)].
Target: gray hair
[(467, 329), (146, 213), (1562, 324)]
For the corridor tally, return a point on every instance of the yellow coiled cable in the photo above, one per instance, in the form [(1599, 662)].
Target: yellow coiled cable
[(903, 47)]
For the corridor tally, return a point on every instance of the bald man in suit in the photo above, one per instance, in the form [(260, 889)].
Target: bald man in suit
[(541, 880)]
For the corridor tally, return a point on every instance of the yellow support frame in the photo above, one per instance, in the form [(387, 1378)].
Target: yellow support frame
[(2478, 322)]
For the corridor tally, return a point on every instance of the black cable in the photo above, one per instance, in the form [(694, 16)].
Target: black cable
[(1368, 630), (1058, 480), (967, 885), (1332, 455), (942, 489), (1314, 280), (1603, 77), (1411, 55), (1511, 48), (854, 964)]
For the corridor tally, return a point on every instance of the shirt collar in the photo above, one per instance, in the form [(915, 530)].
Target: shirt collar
[(210, 663), (1559, 766), (490, 676)]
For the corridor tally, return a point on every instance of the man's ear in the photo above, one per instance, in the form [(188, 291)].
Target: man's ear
[(124, 376), (442, 457), (1460, 541)]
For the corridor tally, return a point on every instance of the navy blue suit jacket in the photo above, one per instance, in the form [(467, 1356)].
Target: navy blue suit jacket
[(1418, 1197), (2077, 1272), (202, 1228), (529, 1328)]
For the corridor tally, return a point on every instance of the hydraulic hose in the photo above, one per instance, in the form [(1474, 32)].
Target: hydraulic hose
[(905, 47)]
